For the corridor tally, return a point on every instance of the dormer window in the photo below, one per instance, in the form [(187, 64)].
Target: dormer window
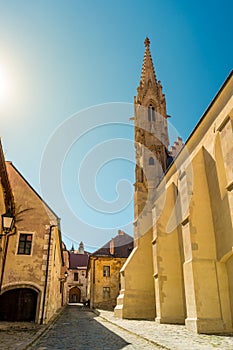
[(151, 113)]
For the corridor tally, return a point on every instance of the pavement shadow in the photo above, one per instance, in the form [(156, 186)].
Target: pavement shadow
[(77, 329)]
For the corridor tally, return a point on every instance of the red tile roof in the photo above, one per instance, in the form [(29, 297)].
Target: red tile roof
[(122, 243), (78, 260)]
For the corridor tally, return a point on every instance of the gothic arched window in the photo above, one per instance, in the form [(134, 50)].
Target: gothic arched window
[(151, 113), (151, 161)]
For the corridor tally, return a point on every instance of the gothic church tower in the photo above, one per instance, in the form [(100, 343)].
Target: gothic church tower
[(151, 138), (137, 296)]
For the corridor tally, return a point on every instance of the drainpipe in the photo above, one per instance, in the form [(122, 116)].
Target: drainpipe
[(93, 284), (46, 274), (4, 258)]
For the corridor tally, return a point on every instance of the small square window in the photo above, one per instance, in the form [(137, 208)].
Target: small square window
[(76, 276), (106, 292), (25, 244), (106, 271)]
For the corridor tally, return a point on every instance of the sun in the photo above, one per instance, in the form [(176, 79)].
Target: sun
[(3, 85)]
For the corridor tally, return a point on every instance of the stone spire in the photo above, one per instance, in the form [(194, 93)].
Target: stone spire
[(148, 71), (150, 90)]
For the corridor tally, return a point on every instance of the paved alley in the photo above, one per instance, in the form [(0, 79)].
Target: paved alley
[(14, 335), (80, 329)]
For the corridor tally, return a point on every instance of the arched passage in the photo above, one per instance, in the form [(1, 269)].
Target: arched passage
[(18, 305), (74, 295)]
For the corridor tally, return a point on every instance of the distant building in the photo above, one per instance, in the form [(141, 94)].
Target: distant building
[(65, 273), (104, 271), (177, 147), (31, 259), (77, 276)]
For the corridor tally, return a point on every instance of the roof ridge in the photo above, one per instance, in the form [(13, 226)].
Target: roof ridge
[(8, 193), (35, 192)]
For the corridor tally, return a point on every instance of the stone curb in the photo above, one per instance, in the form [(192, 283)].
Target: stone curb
[(25, 345), (98, 313)]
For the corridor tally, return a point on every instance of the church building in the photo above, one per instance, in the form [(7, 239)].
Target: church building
[(181, 268)]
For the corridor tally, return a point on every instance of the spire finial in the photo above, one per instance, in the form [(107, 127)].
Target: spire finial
[(148, 73), (147, 42)]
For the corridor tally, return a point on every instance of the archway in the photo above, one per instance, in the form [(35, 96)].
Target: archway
[(18, 305), (74, 295)]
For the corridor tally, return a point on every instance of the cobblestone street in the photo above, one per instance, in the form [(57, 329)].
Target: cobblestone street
[(14, 334), (79, 328), (172, 337)]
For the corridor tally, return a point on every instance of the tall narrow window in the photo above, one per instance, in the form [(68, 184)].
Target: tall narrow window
[(25, 244), (151, 113), (76, 276), (151, 161), (106, 271), (106, 292)]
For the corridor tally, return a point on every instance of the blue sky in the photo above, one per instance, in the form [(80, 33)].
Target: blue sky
[(63, 57)]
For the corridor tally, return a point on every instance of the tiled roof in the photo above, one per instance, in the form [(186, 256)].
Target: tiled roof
[(8, 195), (20, 184), (78, 260), (119, 247)]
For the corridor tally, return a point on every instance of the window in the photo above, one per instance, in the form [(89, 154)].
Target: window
[(106, 292), (76, 276), (151, 113), (25, 244), (106, 271), (151, 161)]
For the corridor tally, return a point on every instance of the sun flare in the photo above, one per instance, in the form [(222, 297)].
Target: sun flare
[(3, 85)]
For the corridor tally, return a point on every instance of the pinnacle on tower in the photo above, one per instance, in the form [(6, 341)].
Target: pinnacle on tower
[(81, 248), (148, 72), (147, 42), (150, 92)]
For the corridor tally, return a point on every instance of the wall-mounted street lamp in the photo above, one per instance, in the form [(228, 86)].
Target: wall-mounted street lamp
[(64, 277), (7, 223)]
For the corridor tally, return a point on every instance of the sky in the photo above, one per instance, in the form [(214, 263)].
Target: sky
[(68, 74)]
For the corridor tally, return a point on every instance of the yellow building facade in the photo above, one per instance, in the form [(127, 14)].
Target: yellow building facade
[(104, 271), (181, 268)]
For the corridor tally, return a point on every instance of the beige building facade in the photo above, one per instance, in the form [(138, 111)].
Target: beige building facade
[(183, 216), (77, 275), (31, 258)]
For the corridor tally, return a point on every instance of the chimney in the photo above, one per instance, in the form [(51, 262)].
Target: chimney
[(120, 233), (112, 246)]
